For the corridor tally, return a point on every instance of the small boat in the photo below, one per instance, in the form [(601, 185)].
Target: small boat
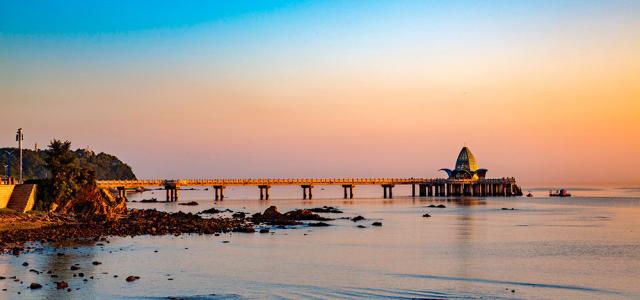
[(560, 193)]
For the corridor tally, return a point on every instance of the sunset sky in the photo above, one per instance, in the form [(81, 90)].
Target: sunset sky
[(545, 91)]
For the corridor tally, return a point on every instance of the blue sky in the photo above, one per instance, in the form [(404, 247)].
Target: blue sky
[(108, 17)]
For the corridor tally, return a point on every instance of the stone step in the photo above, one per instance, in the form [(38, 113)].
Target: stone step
[(23, 197)]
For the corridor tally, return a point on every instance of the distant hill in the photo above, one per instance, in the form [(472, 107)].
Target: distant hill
[(105, 165)]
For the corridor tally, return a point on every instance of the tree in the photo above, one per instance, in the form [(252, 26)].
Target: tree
[(67, 178)]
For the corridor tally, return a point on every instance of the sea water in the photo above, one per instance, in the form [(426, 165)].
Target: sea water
[(583, 247)]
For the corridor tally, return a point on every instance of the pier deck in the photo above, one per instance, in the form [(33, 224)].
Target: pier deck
[(438, 187)]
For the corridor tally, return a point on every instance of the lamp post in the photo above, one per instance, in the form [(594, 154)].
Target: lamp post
[(9, 157), (19, 139)]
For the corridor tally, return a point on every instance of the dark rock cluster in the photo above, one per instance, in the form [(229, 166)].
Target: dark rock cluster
[(325, 209), (437, 206), (272, 216)]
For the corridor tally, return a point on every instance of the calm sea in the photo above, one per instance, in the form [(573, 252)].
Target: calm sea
[(584, 247)]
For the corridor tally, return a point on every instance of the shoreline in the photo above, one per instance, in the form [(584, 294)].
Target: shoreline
[(51, 228)]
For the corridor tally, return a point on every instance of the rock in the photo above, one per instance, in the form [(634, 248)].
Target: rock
[(264, 230), (426, 216), (24, 264), (95, 263), (132, 278), (271, 213), (376, 224), (74, 268), (504, 208), (35, 286), (210, 211), (272, 216), (358, 218), (245, 229), (62, 285), (190, 203), (239, 215), (93, 204), (325, 209), (80, 274), (437, 206), (304, 214), (34, 271), (362, 226), (152, 200), (318, 224)]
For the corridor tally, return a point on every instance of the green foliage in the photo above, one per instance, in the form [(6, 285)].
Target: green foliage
[(104, 165), (67, 178), (71, 174)]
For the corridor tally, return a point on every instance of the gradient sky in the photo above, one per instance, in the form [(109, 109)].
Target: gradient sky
[(546, 91)]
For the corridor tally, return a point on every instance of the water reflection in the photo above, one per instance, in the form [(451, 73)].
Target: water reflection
[(470, 249)]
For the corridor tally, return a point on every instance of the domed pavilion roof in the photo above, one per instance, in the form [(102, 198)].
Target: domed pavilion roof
[(466, 161)]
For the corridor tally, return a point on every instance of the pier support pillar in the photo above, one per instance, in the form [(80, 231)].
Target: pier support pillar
[(388, 187), (422, 190), (168, 197), (219, 192), (348, 190), (413, 190), (306, 187), (430, 190), (122, 192), (264, 192)]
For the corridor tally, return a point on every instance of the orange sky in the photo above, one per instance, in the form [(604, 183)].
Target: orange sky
[(548, 96)]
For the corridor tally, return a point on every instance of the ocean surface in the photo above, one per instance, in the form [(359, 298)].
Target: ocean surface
[(584, 247)]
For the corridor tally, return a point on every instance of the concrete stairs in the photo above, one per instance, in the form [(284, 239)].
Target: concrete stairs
[(23, 197)]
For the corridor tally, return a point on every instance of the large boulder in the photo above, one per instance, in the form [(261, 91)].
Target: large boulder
[(271, 213), (93, 204)]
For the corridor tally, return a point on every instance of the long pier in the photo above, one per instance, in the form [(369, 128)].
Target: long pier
[(431, 187)]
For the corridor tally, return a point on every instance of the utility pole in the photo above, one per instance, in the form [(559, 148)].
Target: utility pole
[(19, 139)]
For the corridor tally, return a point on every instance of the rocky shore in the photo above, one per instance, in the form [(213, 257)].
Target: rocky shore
[(55, 227), (61, 228)]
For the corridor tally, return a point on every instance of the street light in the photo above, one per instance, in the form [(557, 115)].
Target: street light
[(5, 173), (19, 139), (9, 157)]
